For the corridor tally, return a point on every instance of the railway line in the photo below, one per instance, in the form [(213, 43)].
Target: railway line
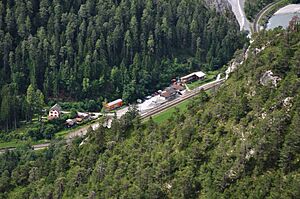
[(256, 26), (146, 115), (188, 95)]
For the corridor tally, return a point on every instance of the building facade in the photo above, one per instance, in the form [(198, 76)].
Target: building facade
[(113, 105), (54, 112)]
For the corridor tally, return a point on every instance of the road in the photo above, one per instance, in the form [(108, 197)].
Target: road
[(84, 130), (256, 26), (182, 98), (40, 146), (238, 10), (35, 147)]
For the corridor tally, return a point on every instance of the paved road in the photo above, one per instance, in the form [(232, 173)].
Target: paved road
[(84, 130), (238, 10), (256, 26), (40, 146), (35, 147)]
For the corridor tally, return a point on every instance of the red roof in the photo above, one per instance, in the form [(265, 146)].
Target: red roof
[(115, 102)]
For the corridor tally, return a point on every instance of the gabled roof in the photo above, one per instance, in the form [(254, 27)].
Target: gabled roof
[(178, 87), (199, 74), (168, 92), (56, 107), (114, 102)]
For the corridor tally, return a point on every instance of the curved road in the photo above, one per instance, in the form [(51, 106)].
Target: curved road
[(256, 26)]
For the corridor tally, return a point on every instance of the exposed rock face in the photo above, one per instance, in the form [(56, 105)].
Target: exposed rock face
[(268, 78), (233, 66), (250, 154), (219, 5), (288, 103)]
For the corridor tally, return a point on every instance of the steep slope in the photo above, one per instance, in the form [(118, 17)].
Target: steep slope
[(252, 7), (241, 142), (105, 49)]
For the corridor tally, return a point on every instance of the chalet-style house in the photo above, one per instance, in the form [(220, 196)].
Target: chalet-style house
[(113, 105), (169, 93), (193, 77), (55, 112)]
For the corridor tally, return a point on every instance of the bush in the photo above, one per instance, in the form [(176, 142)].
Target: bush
[(49, 131), (73, 113), (35, 133)]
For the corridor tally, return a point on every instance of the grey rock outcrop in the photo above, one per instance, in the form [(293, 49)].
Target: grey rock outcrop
[(268, 78), (219, 5)]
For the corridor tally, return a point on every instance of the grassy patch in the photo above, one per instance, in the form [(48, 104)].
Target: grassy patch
[(19, 143), (24, 128), (65, 132), (11, 144), (210, 77), (18, 137), (169, 112)]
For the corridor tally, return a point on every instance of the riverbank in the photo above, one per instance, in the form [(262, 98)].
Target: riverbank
[(263, 17), (237, 7), (292, 8), (283, 16)]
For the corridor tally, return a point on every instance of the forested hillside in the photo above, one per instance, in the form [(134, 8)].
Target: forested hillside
[(241, 142), (252, 7), (99, 49)]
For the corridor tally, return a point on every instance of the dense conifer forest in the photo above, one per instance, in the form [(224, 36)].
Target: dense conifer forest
[(103, 49), (252, 7), (242, 141)]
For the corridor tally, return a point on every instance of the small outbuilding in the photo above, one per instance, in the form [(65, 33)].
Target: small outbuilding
[(193, 77), (113, 105)]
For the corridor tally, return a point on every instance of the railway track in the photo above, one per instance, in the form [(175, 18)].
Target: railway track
[(256, 25), (152, 112), (188, 95)]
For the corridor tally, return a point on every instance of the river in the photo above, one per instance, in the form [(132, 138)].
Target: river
[(283, 16), (238, 10)]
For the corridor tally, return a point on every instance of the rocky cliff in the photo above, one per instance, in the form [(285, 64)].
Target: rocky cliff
[(219, 5)]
